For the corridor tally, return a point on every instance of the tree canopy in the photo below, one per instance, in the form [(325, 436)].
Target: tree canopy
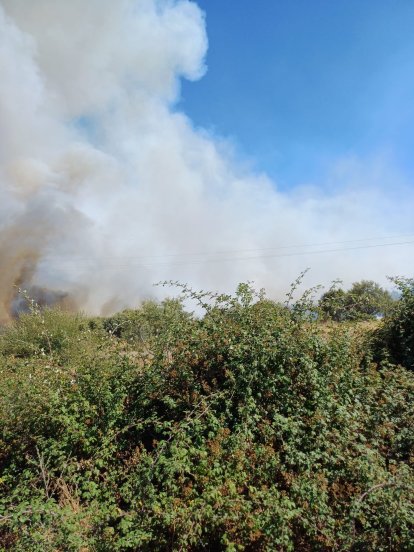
[(364, 300)]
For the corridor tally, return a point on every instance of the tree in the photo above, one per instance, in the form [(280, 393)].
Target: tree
[(365, 300), (333, 305)]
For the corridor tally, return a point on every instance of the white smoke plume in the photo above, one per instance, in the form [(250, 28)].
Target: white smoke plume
[(106, 188)]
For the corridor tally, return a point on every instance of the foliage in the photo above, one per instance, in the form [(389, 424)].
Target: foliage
[(369, 299), (395, 339), (365, 300), (333, 305), (151, 320), (252, 427), (45, 333)]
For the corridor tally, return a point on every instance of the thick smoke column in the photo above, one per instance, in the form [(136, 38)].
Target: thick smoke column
[(106, 189)]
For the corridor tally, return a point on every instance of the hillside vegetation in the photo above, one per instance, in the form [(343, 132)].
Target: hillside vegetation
[(256, 426)]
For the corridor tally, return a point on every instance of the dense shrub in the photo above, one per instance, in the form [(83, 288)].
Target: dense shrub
[(253, 427), (363, 301), (395, 339), (151, 320), (49, 332)]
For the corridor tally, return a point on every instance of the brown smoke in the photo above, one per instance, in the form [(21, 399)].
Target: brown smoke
[(13, 276), (18, 265)]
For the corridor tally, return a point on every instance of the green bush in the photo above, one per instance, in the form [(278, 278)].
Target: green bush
[(151, 320), (364, 301), (395, 339), (45, 333), (252, 427)]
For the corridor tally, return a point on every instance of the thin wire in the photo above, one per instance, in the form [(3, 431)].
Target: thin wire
[(253, 257), (234, 251)]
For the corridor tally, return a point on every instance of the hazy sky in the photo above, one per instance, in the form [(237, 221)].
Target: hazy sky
[(296, 84), (211, 143)]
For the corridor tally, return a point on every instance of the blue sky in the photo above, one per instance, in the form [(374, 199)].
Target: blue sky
[(99, 161), (296, 84)]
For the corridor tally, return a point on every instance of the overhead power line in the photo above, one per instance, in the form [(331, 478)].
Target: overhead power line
[(140, 257), (273, 256), (140, 261)]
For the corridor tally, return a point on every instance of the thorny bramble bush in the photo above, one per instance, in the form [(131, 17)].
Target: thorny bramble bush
[(253, 427)]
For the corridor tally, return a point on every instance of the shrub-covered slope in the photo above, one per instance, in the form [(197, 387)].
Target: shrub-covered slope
[(252, 428)]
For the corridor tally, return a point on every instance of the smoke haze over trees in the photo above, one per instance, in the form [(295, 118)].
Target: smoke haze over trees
[(106, 188)]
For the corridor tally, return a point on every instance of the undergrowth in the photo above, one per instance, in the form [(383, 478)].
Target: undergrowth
[(252, 427)]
